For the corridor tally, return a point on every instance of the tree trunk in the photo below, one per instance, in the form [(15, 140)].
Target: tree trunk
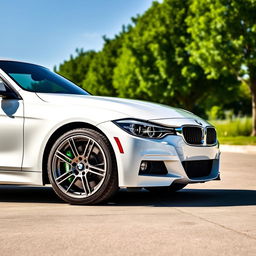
[(253, 92), (253, 113)]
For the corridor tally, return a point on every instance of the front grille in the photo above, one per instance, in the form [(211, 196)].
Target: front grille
[(211, 136), (197, 169), (196, 135), (193, 135)]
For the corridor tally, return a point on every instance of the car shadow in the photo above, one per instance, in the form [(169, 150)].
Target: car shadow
[(183, 198), (188, 198), (28, 194)]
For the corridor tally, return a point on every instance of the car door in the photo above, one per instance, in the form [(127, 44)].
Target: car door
[(11, 129)]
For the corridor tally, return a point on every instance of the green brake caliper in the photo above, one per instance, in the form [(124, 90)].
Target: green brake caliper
[(67, 166)]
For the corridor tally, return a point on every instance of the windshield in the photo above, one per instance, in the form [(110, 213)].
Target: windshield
[(36, 78)]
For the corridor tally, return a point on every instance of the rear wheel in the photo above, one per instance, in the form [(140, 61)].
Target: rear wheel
[(171, 189), (82, 167)]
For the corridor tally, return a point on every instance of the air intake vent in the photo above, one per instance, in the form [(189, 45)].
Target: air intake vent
[(211, 137), (197, 169), (193, 135)]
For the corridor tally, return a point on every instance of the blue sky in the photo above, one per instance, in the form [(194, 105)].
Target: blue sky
[(48, 31)]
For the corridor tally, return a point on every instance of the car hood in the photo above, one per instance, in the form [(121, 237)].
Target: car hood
[(127, 107)]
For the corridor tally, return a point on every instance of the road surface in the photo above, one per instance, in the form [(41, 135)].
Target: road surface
[(216, 218)]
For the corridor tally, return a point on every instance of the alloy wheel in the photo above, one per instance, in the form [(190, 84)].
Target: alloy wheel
[(79, 166)]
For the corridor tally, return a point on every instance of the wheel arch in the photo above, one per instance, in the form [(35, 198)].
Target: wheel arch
[(60, 131)]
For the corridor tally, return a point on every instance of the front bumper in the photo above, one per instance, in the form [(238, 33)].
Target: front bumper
[(172, 150)]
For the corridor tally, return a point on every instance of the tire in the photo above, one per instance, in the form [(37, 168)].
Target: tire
[(82, 167), (171, 189)]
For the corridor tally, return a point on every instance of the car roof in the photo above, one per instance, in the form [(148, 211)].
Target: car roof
[(12, 60), (19, 61)]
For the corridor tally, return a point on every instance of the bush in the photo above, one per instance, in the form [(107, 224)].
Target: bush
[(234, 127), (238, 140), (216, 113)]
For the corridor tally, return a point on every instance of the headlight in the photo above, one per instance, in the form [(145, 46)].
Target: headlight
[(144, 129)]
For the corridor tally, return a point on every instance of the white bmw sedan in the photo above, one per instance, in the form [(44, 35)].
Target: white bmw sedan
[(86, 147)]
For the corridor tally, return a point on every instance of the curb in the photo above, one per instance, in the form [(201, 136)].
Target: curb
[(244, 149)]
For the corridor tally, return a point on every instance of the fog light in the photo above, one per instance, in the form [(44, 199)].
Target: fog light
[(152, 168), (143, 166)]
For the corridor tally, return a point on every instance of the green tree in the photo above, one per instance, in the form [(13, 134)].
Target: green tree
[(155, 65), (76, 68), (99, 79), (224, 40)]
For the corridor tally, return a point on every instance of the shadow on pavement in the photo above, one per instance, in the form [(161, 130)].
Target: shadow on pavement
[(188, 198), (27, 194), (184, 198)]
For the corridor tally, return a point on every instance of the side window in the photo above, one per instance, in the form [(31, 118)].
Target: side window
[(2, 86)]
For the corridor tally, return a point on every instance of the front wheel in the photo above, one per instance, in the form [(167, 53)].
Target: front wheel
[(82, 168)]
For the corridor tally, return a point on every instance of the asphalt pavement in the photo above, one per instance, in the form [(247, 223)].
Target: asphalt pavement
[(215, 218)]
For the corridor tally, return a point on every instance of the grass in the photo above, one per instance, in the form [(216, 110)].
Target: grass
[(238, 140), (234, 127), (235, 131)]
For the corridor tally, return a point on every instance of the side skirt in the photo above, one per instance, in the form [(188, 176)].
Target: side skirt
[(20, 177)]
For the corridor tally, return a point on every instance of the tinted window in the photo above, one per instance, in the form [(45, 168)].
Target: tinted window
[(2, 86), (36, 78)]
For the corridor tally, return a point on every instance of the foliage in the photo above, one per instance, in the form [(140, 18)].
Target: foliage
[(234, 127), (224, 40), (216, 112), (154, 64), (238, 140), (240, 104), (76, 68), (187, 53), (99, 79)]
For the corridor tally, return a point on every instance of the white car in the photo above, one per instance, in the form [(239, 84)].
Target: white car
[(86, 147)]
